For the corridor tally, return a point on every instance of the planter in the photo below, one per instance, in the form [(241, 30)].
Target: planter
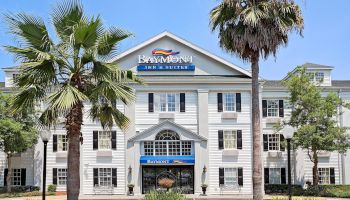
[(131, 190), (204, 190)]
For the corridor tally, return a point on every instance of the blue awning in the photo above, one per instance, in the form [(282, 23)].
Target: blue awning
[(167, 160)]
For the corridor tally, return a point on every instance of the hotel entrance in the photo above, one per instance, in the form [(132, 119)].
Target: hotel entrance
[(178, 178)]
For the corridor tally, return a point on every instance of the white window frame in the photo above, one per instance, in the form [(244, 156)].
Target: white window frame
[(324, 174), (105, 177), (230, 142), (269, 110), (275, 175), (102, 141), (165, 146), (61, 176), (232, 104), (316, 76), (165, 105), (230, 176), (61, 140), (16, 176), (277, 146)]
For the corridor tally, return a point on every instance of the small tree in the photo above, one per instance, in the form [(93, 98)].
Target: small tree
[(17, 134), (314, 117)]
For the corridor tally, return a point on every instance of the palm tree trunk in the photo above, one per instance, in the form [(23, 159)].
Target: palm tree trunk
[(315, 177), (257, 162), (73, 127), (9, 173)]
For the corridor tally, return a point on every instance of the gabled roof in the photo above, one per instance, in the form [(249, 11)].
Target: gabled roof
[(186, 43), (310, 66), (168, 125), (316, 66)]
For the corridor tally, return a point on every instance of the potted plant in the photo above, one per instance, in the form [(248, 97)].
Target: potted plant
[(204, 188), (131, 189)]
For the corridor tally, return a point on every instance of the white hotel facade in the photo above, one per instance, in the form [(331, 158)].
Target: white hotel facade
[(191, 120)]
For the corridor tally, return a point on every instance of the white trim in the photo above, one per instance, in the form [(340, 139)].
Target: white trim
[(180, 40)]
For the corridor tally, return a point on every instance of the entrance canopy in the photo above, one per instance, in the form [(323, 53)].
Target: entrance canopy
[(167, 160)]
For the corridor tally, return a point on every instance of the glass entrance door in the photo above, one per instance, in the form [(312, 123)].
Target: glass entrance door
[(184, 178)]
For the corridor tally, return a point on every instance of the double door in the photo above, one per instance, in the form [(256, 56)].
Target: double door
[(183, 178)]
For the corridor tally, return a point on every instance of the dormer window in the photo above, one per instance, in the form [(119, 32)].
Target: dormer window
[(316, 77)]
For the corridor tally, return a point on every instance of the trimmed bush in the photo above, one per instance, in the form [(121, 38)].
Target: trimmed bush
[(51, 188), (27, 188), (281, 189), (157, 195), (342, 191)]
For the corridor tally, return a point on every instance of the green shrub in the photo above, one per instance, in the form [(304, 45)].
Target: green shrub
[(51, 188), (281, 189), (342, 191), (157, 195)]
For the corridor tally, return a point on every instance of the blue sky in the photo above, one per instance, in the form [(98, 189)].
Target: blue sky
[(326, 36)]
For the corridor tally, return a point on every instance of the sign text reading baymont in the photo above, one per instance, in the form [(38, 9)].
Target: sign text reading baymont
[(162, 59)]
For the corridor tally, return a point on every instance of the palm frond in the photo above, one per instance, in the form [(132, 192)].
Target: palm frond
[(30, 30), (65, 16), (86, 33), (41, 73), (26, 99), (108, 115), (48, 118), (113, 91), (65, 98), (107, 43)]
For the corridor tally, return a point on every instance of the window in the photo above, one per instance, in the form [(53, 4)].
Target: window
[(230, 139), (105, 176), (272, 108), (167, 143), (229, 102), (316, 77), (324, 176), (16, 177), (161, 148), (148, 148), (104, 140), (62, 142), (230, 176), (275, 176), (319, 76), (274, 142), (174, 148), (167, 102), (62, 176), (186, 148)]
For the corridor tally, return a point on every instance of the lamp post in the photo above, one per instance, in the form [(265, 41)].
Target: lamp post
[(288, 132), (45, 137)]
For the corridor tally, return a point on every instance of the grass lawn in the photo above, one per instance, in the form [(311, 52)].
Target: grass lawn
[(281, 197)]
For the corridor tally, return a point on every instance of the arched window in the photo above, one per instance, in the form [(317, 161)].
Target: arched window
[(167, 135), (167, 143)]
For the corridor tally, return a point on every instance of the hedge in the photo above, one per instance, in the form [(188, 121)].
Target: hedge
[(27, 188), (342, 191)]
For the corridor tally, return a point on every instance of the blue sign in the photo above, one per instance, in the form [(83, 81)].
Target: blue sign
[(167, 160), (166, 68)]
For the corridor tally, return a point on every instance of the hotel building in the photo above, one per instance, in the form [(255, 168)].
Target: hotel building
[(190, 121)]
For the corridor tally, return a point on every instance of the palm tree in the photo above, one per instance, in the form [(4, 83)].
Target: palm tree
[(68, 70), (252, 29)]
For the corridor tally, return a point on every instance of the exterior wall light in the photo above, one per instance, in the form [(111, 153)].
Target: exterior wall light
[(130, 169), (204, 169)]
